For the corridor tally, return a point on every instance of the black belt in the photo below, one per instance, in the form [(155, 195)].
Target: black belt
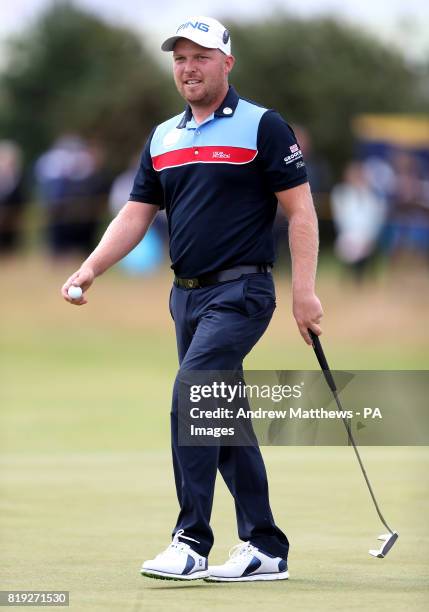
[(220, 277)]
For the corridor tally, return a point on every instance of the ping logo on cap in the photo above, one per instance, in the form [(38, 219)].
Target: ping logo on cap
[(203, 31), (197, 25)]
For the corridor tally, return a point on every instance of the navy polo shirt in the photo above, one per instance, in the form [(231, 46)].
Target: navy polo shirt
[(216, 181)]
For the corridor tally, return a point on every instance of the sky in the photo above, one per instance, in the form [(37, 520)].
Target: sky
[(404, 23)]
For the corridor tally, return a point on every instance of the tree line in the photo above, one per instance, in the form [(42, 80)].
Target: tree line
[(73, 72)]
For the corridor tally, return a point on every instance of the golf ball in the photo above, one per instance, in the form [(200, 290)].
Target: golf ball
[(74, 292)]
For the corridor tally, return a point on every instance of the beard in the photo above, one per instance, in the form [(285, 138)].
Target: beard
[(202, 95)]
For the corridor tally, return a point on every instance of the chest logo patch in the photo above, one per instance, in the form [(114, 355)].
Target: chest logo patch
[(171, 138)]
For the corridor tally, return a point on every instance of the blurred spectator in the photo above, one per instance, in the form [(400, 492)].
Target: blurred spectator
[(359, 214), (73, 190), (319, 175), (380, 176), (12, 198), (148, 255), (408, 229), (121, 187)]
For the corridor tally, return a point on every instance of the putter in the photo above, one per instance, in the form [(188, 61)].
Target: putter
[(390, 538)]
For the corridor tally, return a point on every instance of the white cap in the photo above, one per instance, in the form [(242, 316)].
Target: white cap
[(204, 31)]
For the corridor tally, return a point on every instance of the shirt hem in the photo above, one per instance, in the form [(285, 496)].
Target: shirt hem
[(134, 198), (290, 184)]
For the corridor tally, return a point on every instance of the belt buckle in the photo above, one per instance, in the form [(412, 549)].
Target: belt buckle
[(192, 283)]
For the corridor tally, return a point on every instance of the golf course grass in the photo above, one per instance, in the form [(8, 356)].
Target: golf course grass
[(86, 486)]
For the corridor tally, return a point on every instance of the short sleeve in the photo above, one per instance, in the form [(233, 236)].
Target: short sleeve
[(279, 153), (147, 187)]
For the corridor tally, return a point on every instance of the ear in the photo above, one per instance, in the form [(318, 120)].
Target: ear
[(229, 63)]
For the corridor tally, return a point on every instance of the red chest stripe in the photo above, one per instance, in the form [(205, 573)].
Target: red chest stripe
[(205, 155)]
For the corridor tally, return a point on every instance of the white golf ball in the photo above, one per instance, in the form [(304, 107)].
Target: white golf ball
[(74, 292)]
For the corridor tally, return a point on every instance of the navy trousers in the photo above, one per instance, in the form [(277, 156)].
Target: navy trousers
[(216, 327)]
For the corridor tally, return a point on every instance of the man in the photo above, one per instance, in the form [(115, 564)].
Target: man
[(218, 169)]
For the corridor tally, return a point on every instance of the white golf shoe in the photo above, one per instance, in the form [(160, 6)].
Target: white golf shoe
[(177, 562), (248, 563)]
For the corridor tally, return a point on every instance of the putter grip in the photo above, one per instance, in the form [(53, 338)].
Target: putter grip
[(322, 360)]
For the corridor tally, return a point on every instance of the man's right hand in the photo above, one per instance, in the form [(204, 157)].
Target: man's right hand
[(83, 278)]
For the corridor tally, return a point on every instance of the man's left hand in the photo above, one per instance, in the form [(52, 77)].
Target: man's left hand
[(308, 312)]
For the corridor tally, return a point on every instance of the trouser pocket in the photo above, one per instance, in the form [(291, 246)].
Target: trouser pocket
[(259, 295)]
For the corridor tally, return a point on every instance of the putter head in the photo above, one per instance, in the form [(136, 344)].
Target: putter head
[(389, 539)]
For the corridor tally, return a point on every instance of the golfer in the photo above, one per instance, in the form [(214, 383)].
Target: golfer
[(219, 169)]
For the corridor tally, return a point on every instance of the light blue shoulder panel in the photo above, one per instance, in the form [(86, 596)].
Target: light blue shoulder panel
[(239, 130)]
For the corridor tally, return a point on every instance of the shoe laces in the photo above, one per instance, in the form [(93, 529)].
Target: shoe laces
[(237, 552), (176, 545)]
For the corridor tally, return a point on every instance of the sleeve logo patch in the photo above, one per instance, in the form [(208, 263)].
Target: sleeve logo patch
[(296, 154), (294, 148)]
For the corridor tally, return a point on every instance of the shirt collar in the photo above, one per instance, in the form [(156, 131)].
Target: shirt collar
[(225, 109), (228, 106)]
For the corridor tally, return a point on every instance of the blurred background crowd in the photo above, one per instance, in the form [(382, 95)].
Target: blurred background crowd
[(78, 97)]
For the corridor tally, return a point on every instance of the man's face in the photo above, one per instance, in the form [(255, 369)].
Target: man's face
[(200, 74)]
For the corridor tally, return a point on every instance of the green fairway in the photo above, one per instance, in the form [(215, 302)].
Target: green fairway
[(86, 487), (84, 522)]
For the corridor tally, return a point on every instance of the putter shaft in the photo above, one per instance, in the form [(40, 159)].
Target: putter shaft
[(331, 383)]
